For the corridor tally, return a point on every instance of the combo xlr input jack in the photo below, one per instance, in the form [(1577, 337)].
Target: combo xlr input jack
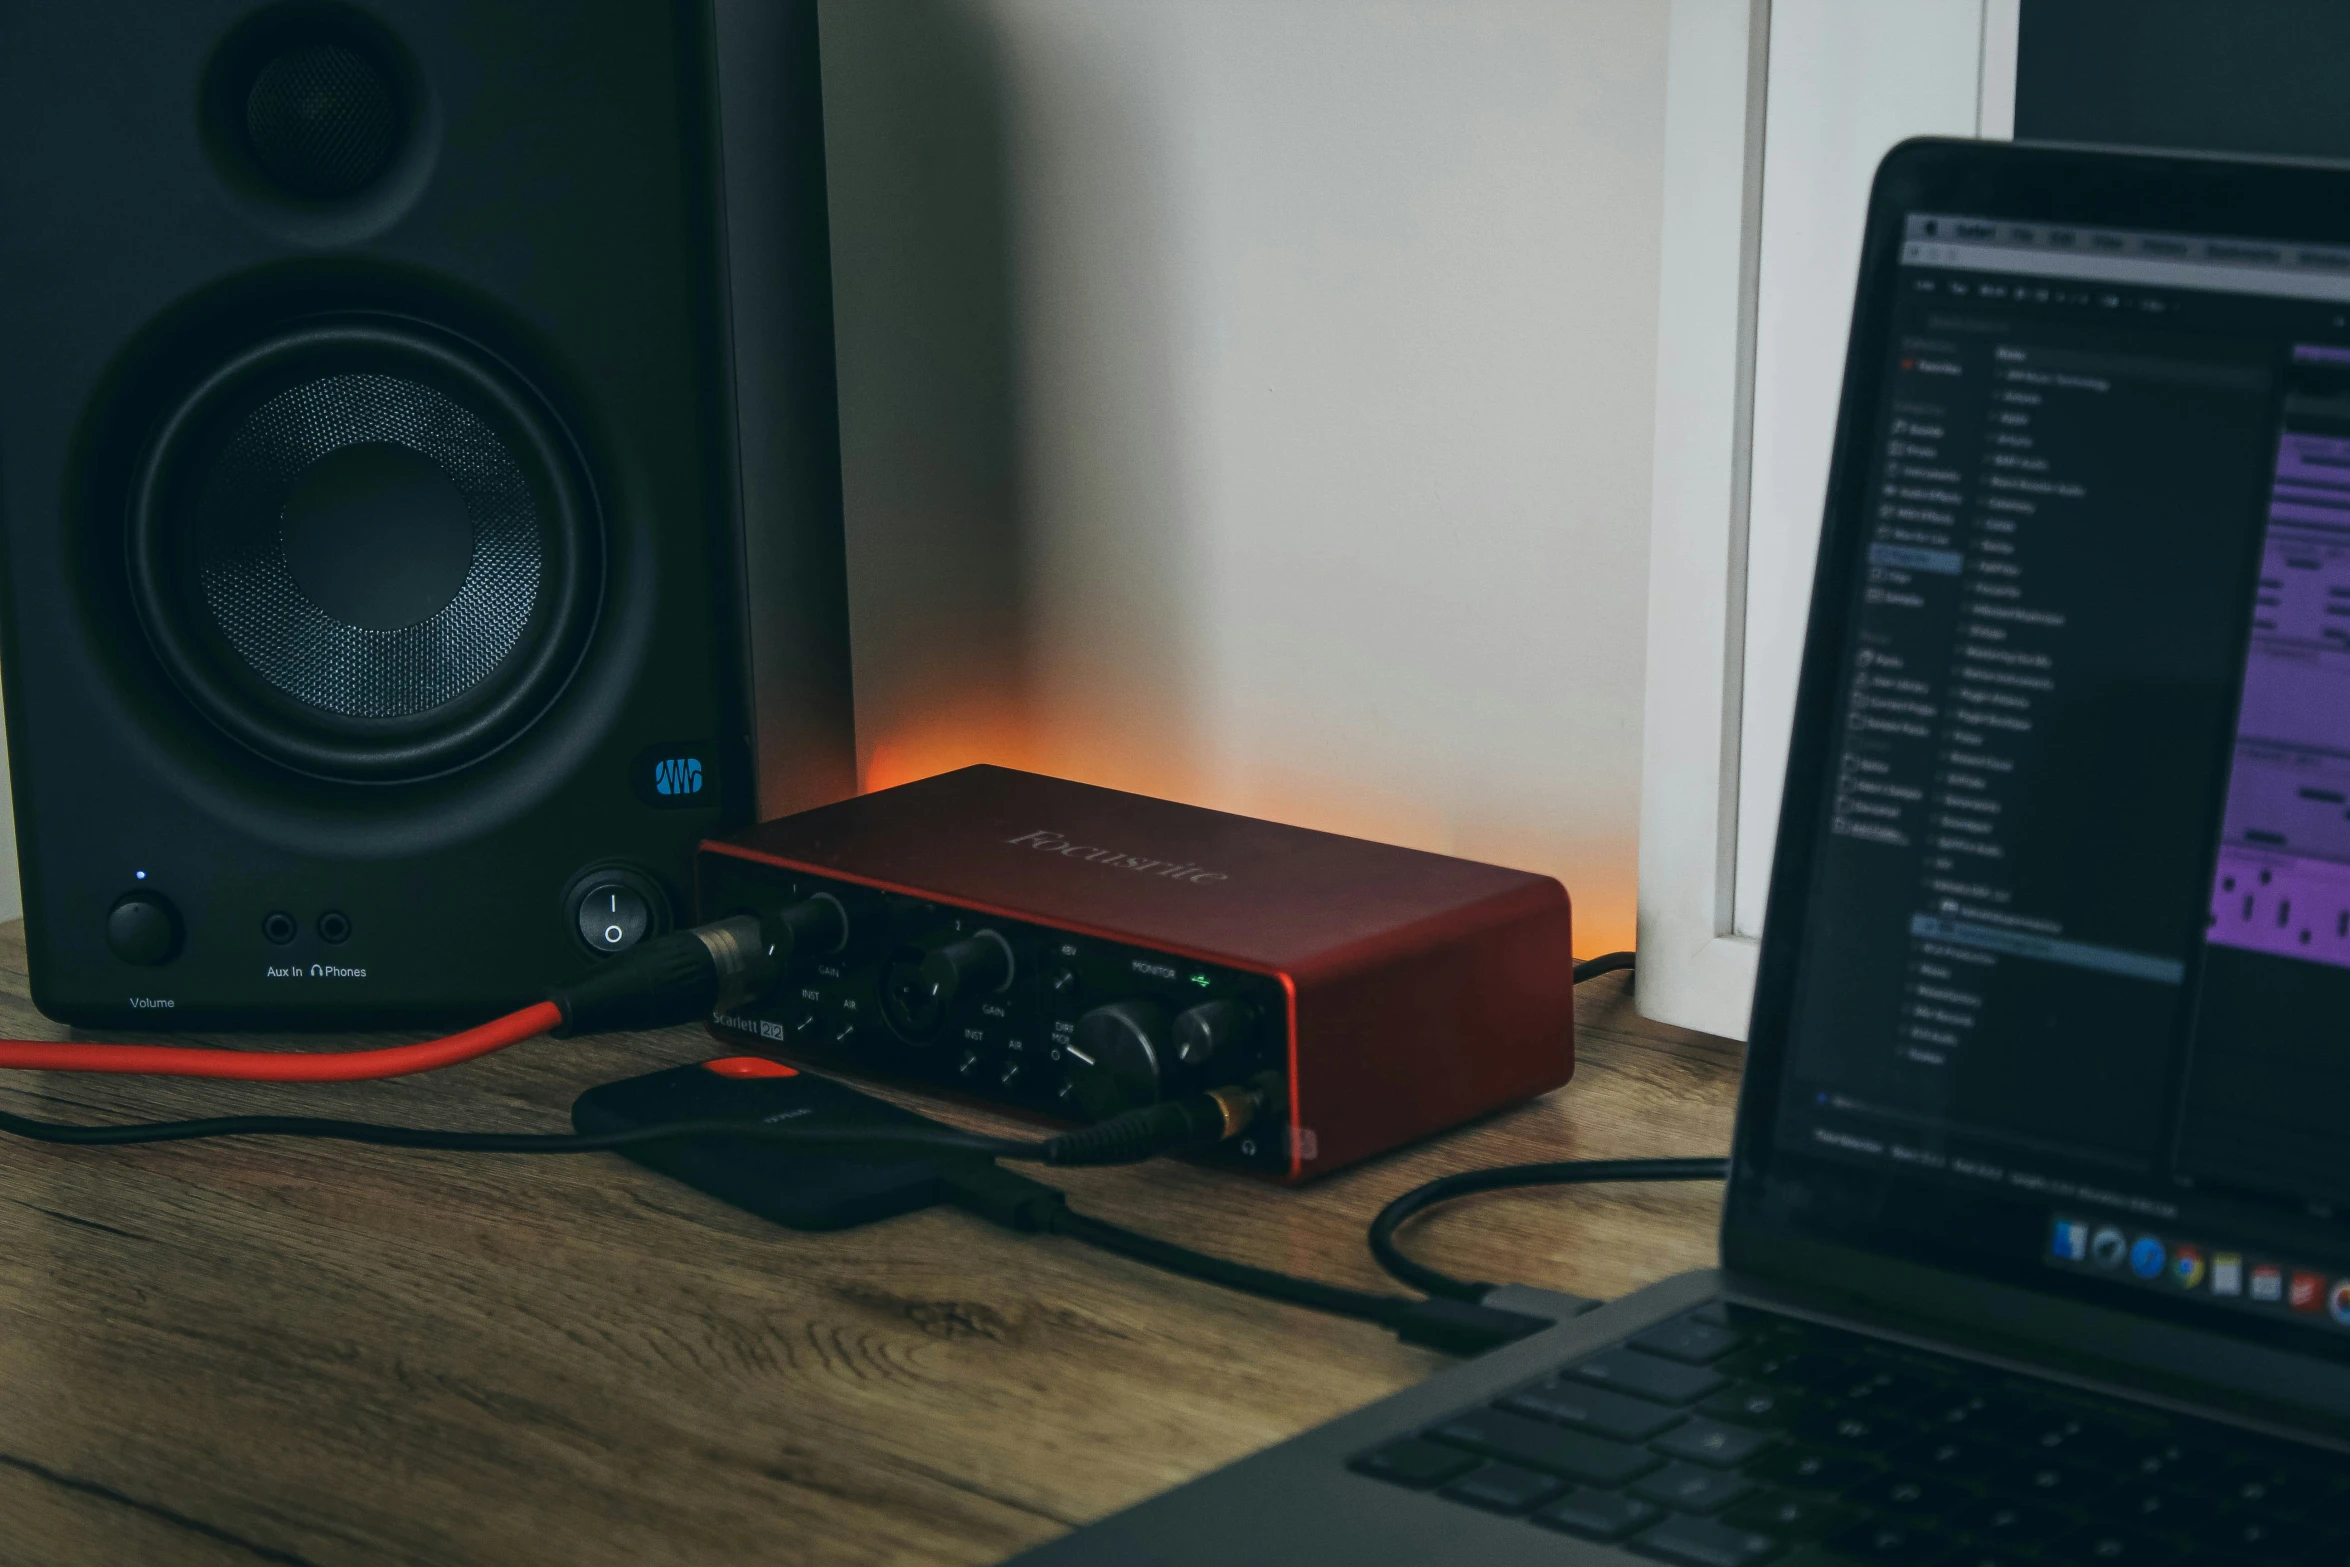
[(721, 965), (752, 951)]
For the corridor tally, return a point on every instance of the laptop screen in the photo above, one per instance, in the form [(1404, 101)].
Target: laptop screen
[(2072, 999)]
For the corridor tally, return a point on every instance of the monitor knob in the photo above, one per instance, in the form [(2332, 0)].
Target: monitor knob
[(1118, 1057), (1204, 1032)]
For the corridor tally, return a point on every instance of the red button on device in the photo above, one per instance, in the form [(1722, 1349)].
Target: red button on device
[(749, 1066)]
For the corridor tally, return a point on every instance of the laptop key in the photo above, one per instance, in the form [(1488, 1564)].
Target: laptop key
[(1594, 1409), (2243, 1536), (1648, 1376), (1765, 1408), (2157, 1507), (1893, 1540), (1841, 1426), (2012, 1525), (2053, 1481), (1701, 1542), (2279, 1487), (1504, 1488), (1786, 1514), (1877, 1388), (2098, 1546), (1691, 1489), (1598, 1515), (1711, 1442), (1782, 1365), (1689, 1340), (1976, 1414), (1415, 1463), (1952, 1457), (1912, 1495), (1532, 1444), (1973, 1553), (2098, 1444), (1804, 1471)]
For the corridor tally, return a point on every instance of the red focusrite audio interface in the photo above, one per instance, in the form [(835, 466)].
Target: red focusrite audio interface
[(1073, 952)]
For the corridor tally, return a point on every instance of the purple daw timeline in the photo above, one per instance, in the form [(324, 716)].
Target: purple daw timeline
[(2283, 885)]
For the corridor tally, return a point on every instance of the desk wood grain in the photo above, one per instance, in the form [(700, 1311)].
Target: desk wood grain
[(267, 1351)]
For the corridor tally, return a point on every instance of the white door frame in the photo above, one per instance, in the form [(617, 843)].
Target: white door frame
[(1744, 78)]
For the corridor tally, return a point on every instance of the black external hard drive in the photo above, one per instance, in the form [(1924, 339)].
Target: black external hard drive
[(827, 1190)]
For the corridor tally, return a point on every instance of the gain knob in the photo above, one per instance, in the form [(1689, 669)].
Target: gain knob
[(811, 928), (920, 987), (1118, 1060)]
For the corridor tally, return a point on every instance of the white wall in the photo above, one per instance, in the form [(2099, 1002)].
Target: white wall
[(1249, 401)]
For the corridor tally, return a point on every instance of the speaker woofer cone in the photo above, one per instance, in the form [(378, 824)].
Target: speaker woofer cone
[(364, 550)]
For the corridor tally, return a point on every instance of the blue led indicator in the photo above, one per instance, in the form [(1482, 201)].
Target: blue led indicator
[(677, 775), (138, 875)]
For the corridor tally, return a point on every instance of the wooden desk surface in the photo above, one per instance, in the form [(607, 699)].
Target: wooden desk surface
[(273, 1351)]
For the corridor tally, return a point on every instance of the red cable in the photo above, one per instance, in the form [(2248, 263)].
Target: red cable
[(269, 1066)]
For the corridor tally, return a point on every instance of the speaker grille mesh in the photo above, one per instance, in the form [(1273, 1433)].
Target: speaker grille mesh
[(297, 647), (322, 119)]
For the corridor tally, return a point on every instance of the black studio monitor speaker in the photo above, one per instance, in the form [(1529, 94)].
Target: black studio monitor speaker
[(419, 489)]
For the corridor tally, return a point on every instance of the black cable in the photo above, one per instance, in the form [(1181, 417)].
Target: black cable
[(509, 1142), (1000, 1195), (1339, 1301), (1571, 1172), (1605, 963), (1016, 1202), (1129, 1138)]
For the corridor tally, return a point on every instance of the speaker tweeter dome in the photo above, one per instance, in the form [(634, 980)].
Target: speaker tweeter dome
[(322, 118), (319, 120)]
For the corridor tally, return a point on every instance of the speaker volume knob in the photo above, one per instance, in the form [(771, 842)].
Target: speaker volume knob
[(1118, 1059), (1212, 1028), (143, 928)]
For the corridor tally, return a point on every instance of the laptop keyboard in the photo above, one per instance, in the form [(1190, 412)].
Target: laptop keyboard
[(1733, 1436)]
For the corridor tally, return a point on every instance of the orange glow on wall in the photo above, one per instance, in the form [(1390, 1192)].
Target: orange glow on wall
[(1601, 878), (927, 750)]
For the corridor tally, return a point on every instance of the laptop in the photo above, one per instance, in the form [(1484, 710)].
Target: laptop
[(2036, 1245)]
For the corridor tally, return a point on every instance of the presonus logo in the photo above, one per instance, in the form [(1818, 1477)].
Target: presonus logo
[(674, 775)]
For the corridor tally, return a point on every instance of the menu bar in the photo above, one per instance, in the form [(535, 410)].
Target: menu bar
[(2280, 267)]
